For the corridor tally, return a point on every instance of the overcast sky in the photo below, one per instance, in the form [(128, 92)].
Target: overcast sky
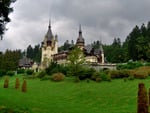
[(100, 19)]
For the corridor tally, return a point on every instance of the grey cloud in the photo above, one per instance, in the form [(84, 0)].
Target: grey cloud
[(100, 19)]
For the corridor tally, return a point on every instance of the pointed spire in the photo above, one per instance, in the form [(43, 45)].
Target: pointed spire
[(49, 23), (80, 39), (80, 31), (49, 34)]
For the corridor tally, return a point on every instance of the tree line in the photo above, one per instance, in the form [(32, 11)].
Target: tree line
[(136, 46), (9, 60), (34, 53)]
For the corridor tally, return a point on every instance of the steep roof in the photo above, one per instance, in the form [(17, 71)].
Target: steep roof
[(49, 35), (88, 48), (25, 62)]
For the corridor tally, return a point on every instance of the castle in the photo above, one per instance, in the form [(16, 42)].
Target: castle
[(50, 50)]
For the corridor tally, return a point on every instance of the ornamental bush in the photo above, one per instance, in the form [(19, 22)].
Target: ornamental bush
[(98, 79), (21, 71), (29, 72), (17, 83), (85, 73), (41, 74), (57, 68), (129, 65), (104, 76), (45, 78), (119, 73), (95, 75), (101, 76), (140, 74), (145, 68), (10, 73), (24, 86), (6, 82), (131, 77), (58, 77)]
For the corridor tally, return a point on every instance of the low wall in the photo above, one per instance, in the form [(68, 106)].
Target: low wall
[(103, 66)]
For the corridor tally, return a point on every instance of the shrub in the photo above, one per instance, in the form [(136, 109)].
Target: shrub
[(34, 75), (104, 76), (85, 73), (145, 68), (131, 77), (88, 80), (17, 83), (6, 82), (114, 74), (63, 69), (77, 80), (95, 75), (58, 77), (21, 71), (29, 72), (2, 73), (41, 74), (57, 68), (129, 65), (140, 74), (53, 68), (10, 73), (98, 79), (125, 79), (119, 73), (24, 86), (122, 66), (45, 78), (99, 76)]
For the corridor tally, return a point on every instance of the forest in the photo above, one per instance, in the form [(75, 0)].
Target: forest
[(136, 46)]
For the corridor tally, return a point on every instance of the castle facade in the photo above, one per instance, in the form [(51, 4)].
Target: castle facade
[(50, 50)]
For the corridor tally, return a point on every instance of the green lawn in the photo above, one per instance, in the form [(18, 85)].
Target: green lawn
[(116, 96)]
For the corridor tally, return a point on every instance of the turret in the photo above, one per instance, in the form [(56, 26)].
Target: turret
[(80, 39), (49, 48), (48, 37)]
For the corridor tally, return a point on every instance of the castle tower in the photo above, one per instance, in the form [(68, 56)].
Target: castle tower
[(49, 48), (80, 39)]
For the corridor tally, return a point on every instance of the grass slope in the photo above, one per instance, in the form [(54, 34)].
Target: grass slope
[(69, 97)]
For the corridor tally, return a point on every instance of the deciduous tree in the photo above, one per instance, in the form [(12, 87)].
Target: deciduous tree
[(5, 10), (75, 59)]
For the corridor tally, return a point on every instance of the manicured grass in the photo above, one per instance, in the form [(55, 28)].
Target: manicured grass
[(116, 96)]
